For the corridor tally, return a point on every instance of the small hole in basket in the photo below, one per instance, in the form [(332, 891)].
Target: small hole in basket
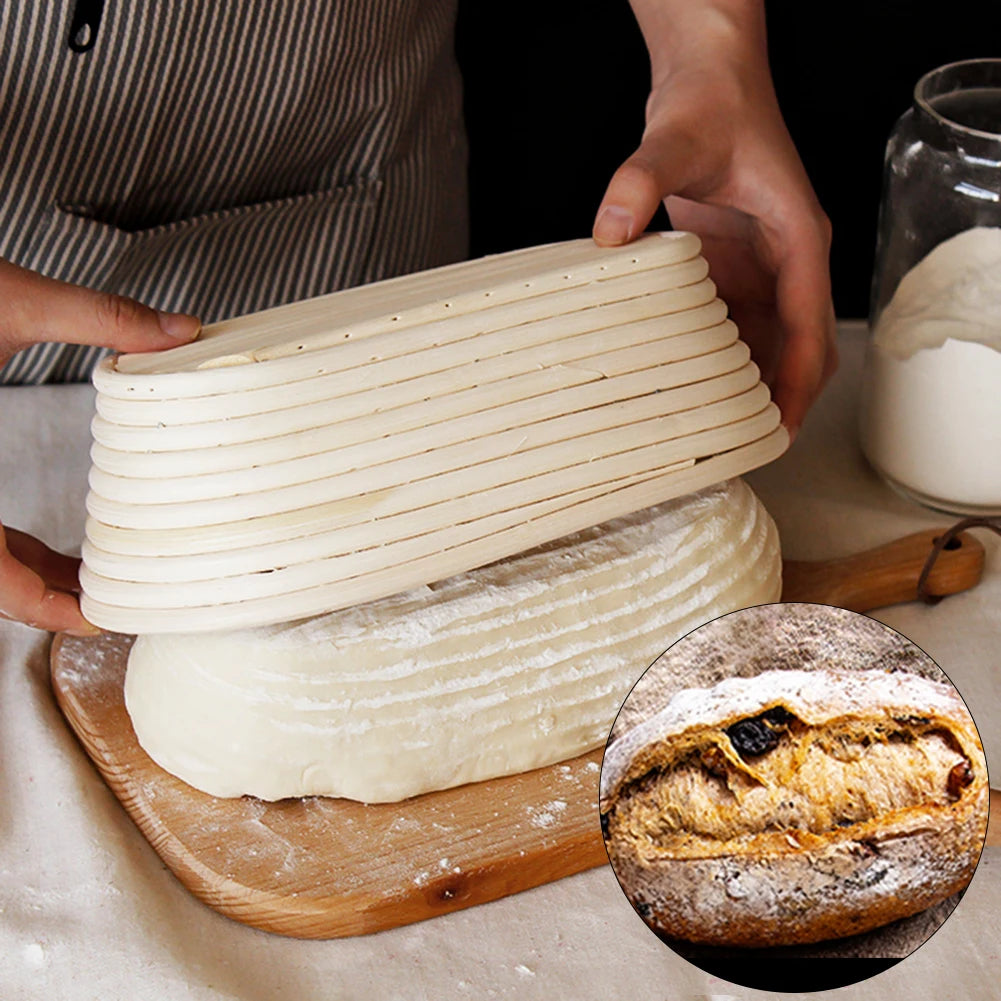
[(953, 543)]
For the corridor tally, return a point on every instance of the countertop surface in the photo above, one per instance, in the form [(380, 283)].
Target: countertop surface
[(87, 910)]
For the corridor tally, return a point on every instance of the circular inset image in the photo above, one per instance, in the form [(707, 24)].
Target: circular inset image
[(794, 782)]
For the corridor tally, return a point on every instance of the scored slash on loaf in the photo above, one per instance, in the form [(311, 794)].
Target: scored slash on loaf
[(330, 452)]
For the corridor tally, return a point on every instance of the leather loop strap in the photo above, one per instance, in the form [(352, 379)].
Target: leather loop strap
[(942, 542)]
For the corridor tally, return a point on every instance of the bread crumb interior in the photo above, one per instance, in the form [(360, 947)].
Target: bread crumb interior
[(712, 799)]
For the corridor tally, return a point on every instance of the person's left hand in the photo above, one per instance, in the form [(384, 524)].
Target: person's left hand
[(716, 148), (39, 586)]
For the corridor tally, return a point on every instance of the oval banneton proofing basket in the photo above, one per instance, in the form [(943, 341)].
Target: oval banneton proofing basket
[(333, 451)]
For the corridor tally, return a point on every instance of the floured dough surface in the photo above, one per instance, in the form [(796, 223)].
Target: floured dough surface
[(500, 670)]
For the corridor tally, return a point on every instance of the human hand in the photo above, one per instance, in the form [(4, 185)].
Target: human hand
[(716, 149), (36, 309), (37, 585)]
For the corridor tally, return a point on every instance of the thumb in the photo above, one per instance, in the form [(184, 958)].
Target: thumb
[(34, 309), (662, 166)]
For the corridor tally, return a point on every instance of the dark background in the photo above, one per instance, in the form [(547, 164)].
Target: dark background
[(555, 94)]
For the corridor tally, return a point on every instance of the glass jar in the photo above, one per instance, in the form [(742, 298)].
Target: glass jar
[(931, 390)]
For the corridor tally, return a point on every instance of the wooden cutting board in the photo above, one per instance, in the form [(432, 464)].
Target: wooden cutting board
[(326, 868)]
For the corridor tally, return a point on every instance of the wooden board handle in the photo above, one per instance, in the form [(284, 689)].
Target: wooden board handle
[(886, 575)]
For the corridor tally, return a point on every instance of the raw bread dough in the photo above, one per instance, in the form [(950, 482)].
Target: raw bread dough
[(509, 667)]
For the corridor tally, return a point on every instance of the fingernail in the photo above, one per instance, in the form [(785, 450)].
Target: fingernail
[(613, 226), (179, 326)]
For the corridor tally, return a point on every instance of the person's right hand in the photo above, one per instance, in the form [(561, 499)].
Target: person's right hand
[(717, 152), (37, 585)]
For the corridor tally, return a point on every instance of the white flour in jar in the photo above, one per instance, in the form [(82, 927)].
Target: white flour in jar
[(931, 394)]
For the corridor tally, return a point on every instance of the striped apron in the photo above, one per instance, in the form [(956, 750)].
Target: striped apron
[(221, 156)]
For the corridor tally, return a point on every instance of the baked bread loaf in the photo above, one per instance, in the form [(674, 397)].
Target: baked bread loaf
[(499, 670), (795, 806)]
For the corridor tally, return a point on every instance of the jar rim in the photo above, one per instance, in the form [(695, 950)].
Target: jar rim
[(955, 72)]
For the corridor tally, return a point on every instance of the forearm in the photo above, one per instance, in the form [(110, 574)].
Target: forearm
[(707, 32)]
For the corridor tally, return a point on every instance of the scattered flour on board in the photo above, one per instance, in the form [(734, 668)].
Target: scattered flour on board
[(548, 814)]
